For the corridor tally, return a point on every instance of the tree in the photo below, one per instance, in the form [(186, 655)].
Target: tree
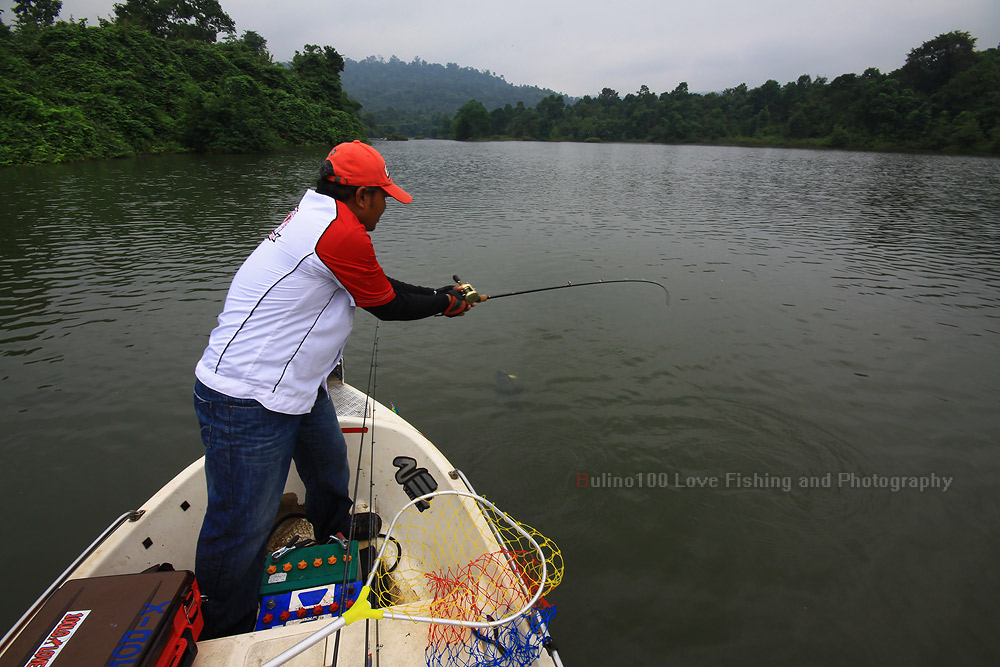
[(767, 96), (472, 121), (256, 44), (148, 15), (319, 71), (933, 64), (200, 20), (966, 131), (36, 13), (608, 97), (551, 107), (525, 124)]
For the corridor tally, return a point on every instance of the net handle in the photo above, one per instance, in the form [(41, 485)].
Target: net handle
[(362, 609)]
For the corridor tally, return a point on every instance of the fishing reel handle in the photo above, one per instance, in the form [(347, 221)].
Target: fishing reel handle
[(468, 291)]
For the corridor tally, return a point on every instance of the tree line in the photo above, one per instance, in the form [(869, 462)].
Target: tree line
[(946, 97), (157, 79), (418, 98)]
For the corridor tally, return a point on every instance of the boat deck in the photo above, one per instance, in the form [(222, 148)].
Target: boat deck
[(165, 529)]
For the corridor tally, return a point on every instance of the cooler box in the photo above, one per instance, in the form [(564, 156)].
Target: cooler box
[(132, 620)]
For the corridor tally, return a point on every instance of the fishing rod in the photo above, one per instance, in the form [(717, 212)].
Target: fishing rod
[(473, 296)]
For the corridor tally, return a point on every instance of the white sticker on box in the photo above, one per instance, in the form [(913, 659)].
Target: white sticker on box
[(56, 641)]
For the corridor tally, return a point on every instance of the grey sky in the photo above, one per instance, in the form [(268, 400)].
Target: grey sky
[(580, 47)]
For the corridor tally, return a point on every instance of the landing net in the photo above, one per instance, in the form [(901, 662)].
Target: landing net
[(455, 561), (478, 573)]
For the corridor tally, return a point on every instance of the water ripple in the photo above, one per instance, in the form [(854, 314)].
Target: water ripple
[(830, 313)]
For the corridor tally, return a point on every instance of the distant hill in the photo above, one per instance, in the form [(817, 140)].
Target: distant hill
[(414, 98)]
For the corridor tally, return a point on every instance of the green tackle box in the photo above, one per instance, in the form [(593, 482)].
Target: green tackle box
[(305, 567)]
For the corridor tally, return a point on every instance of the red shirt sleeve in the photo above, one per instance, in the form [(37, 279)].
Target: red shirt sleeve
[(346, 249)]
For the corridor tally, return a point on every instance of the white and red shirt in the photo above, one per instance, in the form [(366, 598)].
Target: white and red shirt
[(290, 308)]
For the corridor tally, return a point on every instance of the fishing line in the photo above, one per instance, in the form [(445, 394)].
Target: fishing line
[(369, 396), (371, 495)]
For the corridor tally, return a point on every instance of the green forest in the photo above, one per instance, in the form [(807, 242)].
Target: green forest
[(946, 97), (156, 79), (173, 76), (419, 98)]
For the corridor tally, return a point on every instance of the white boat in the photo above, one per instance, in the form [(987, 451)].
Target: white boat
[(404, 466)]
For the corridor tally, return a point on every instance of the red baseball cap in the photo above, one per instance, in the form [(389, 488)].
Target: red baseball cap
[(355, 163)]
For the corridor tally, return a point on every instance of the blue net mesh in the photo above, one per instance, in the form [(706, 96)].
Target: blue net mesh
[(516, 644)]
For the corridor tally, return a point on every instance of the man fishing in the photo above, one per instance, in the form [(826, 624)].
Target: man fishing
[(260, 393)]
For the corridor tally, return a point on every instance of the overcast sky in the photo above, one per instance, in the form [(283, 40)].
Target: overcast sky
[(579, 47)]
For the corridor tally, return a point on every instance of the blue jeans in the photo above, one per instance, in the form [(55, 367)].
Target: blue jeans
[(248, 452)]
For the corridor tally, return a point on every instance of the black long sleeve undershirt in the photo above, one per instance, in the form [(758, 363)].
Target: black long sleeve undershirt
[(412, 302)]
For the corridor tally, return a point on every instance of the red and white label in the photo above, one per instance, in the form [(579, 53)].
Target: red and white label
[(50, 647)]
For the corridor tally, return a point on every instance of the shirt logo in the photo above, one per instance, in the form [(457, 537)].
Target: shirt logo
[(273, 236)]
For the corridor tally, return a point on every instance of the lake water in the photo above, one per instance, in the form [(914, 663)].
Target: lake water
[(730, 477)]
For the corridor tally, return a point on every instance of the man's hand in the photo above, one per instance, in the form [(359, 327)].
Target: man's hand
[(457, 304)]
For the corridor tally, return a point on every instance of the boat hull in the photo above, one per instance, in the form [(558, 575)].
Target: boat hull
[(165, 530)]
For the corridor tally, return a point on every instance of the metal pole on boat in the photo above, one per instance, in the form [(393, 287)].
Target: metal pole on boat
[(131, 515)]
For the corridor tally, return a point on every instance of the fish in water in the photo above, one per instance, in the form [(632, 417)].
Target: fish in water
[(508, 384)]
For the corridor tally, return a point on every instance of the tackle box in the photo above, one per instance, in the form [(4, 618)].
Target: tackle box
[(305, 567), (152, 619), (309, 604)]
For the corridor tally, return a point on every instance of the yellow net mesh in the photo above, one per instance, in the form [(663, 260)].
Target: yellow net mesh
[(466, 561)]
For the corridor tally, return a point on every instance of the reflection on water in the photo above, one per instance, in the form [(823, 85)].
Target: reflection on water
[(832, 313)]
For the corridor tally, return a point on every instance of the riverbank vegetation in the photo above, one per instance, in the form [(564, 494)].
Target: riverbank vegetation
[(946, 97), (157, 80), (172, 76)]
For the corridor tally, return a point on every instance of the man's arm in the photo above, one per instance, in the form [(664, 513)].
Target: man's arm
[(411, 302)]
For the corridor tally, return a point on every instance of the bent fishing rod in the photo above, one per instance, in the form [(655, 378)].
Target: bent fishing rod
[(472, 295)]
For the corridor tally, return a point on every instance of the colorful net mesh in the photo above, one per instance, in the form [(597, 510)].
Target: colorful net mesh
[(476, 573), (509, 645)]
